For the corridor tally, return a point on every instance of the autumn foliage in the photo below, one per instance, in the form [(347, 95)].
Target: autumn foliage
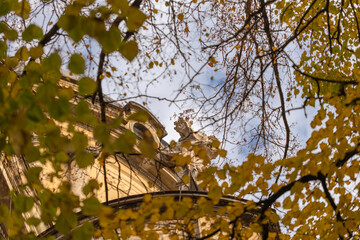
[(276, 57)]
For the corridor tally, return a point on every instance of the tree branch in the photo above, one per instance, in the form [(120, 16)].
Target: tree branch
[(265, 204), (49, 35), (346, 82), (332, 202), (278, 80), (348, 155)]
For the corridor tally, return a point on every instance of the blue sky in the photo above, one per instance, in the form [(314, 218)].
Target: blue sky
[(136, 78)]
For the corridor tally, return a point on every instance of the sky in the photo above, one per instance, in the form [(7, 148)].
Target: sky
[(153, 82), (159, 85)]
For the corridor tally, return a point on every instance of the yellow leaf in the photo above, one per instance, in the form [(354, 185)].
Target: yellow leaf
[(173, 144), (129, 50), (203, 154), (159, 133), (23, 10), (151, 65), (147, 198), (186, 179), (155, 218), (180, 16), (221, 174), (272, 235), (186, 144), (97, 233), (147, 149), (222, 152), (181, 160), (36, 52), (140, 116), (186, 30), (215, 144), (287, 204)]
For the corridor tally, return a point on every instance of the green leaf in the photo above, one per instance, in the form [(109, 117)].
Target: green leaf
[(94, 28), (3, 49), (80, 141), (61, 157), (129, 50), (147, 148), (32, 153), (5, 7), (84, 114), (3, 25), (110, 40), (101, 133), (66, 93), (87, 86), (73, 25), (23, 9), (122, 5), (76, 64), (23, 203), (36, 52), (125, 142), (11, 34), (52, 62), (1, 97), (86, 2), (85, 232), (33, 221), (140, 116), (59, 109), (90, 187), (64, 224), (116, 122), (84, 159), (45, 93), (35, 114), (91, 206), (4, 212), (15, 223), (33, 174), (32, 32), (135, 19)]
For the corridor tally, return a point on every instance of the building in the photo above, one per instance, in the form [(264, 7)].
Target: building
[(127, 177)]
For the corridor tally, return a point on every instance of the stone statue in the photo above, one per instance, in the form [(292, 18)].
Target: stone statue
[(200, 139), (183, 127)]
